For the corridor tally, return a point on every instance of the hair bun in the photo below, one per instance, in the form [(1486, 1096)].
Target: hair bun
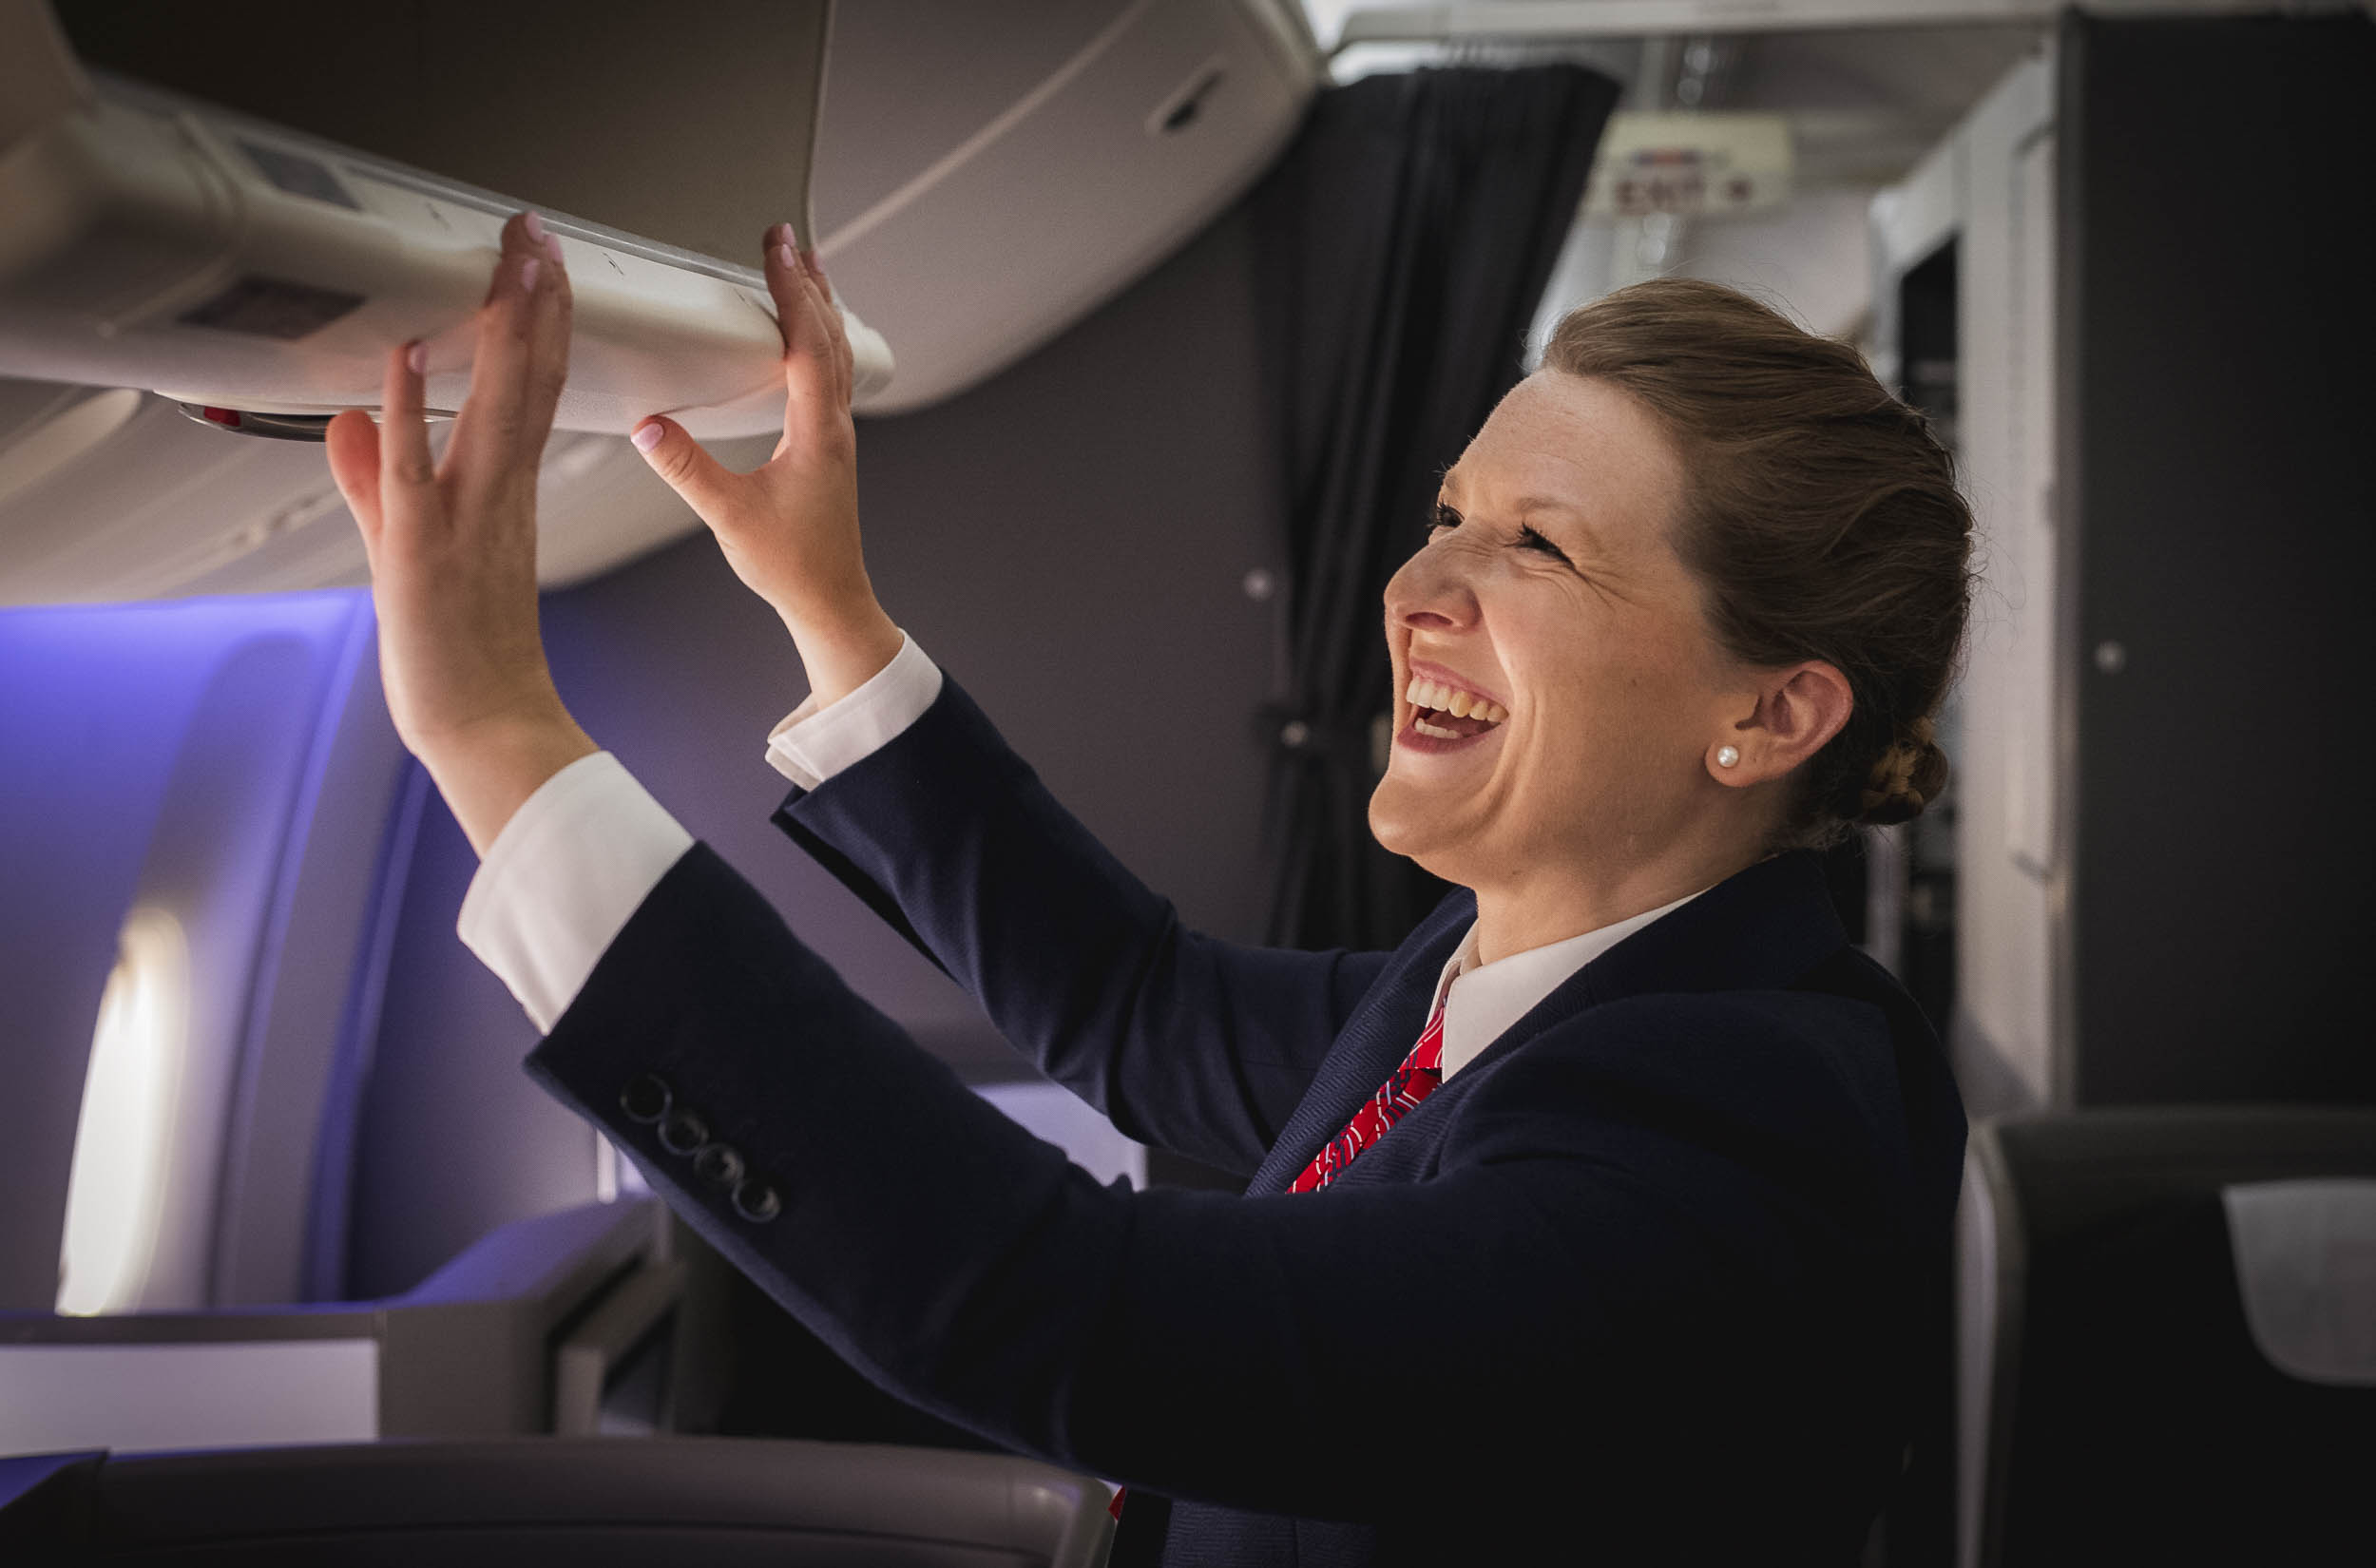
[(1907, 777)]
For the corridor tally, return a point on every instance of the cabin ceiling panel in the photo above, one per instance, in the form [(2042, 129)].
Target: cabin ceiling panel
[(907, 80)]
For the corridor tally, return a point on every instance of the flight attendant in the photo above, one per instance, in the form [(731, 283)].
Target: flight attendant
[(1602, 1221)]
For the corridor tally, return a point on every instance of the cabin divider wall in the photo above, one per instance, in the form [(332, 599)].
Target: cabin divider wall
[(2217, 346)]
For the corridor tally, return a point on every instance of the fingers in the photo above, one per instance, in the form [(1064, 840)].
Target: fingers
[(712, 489), (352, 444), (839, 328), (549, 361), (803, 296), (781, 268), (518, 361), (408, 477), (817, 352)]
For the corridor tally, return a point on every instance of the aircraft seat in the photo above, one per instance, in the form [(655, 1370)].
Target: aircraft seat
[(2167, 1328), (524, 1331)]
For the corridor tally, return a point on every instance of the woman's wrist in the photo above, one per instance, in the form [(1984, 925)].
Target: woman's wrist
[(487, 770), (844, 653)]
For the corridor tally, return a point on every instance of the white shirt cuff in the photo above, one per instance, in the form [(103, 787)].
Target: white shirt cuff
[(812, 743), (562, 879)]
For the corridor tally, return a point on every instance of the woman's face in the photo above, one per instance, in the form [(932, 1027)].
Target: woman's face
[(1550, 587)]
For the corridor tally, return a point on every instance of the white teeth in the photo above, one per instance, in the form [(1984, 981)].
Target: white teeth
[(1442, 698), (1440, 733)]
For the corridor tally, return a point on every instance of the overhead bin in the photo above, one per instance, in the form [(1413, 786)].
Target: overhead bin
[(238, 267), (245, 209)]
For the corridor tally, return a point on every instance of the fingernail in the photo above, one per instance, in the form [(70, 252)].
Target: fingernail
[(815, 265), (784, 257), (553, 248), (416, 356), (645, 437), (779, 234), (528, 274), (535, 226)]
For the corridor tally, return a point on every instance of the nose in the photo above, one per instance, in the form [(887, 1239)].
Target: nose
[(1431, 593)]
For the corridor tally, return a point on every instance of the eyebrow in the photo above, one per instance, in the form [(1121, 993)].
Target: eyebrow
[(1546, 503)]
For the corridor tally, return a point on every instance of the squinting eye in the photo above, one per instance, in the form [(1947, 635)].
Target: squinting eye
[(1443, 517), (1528, 539)]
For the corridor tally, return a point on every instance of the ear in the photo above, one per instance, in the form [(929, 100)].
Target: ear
[(1796, 711)]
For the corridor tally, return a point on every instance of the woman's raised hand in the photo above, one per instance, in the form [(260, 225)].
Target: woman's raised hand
[(790, 528), (453, 546)]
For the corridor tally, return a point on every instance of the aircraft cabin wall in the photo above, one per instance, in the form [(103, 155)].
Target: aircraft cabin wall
[(210, 779)]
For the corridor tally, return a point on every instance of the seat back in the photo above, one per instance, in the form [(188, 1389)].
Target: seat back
[(730, 1502), (2167, 1326), (519, 1333)]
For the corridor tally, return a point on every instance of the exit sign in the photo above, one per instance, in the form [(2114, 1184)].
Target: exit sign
[(1691, 165)]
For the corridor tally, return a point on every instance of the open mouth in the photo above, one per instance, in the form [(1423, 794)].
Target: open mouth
[(1447, 712)]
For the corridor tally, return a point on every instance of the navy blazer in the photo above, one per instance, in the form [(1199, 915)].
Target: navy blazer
[(1641, 1282)]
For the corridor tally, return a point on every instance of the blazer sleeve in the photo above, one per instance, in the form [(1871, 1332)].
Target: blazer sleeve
[(1297, 1353), (1185, 1041)]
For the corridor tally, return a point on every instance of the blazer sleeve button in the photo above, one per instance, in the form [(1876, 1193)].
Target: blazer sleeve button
[(647, 1099), (719, 1164), (683, 1132), (756, 1201)]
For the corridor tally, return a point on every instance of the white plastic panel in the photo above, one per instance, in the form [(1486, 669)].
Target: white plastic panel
[(1925, 210), (2305, 1265), (163, 506), (2008, 879), (133, 1397), (1075, 190), (2025, 534)]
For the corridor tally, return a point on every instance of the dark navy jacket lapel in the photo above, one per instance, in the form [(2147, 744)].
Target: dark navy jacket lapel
[(1372, 1043), (1759, 929), (1762, 928)]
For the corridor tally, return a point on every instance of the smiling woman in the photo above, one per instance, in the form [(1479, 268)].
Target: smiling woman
[(1669, 1157), (1716, 575)]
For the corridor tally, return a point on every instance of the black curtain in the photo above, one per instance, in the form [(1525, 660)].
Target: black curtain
[(1404, 242)]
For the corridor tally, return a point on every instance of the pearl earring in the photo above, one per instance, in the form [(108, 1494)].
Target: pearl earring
[(1727, 756)]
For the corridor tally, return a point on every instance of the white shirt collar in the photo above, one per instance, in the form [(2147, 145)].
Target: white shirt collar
[(1491, 997)]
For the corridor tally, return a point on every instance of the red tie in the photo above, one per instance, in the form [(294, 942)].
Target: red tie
[(1412, 1083)]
